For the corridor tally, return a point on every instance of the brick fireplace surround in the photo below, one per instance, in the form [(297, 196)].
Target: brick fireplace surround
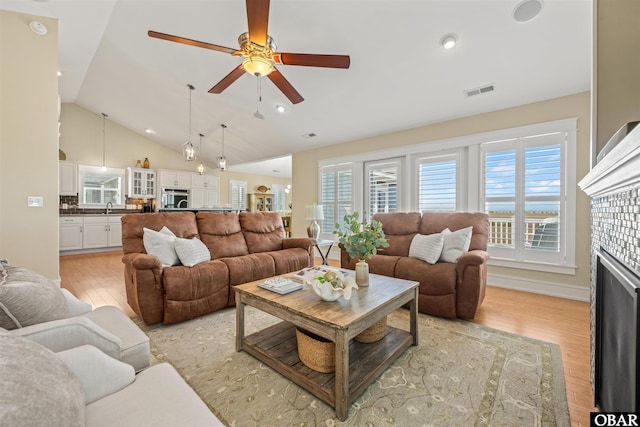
[(614, 187)]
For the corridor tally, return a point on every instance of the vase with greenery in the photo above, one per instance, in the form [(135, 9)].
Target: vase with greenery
[(361, 240)]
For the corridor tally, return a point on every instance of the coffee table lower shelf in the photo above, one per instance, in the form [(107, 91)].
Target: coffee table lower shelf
[(277, 347)]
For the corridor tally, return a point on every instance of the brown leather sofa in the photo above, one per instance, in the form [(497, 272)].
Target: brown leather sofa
[(244, 247), (446, 289)]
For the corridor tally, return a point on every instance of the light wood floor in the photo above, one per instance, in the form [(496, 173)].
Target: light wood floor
[(99, 280)]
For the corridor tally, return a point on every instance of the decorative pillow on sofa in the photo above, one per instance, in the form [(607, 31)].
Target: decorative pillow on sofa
[(192, 251), (28, 298), (161, 244), (426, 247), (37, 387), (455, 243)]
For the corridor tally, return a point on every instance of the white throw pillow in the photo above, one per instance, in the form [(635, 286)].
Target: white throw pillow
[(455, 243), (161, 245), (426, 247), (192, 251)]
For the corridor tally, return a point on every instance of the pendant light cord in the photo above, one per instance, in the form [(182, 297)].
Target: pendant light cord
[(104, 133)]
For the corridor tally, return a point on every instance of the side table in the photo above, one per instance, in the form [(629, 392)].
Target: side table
[(325, 255)]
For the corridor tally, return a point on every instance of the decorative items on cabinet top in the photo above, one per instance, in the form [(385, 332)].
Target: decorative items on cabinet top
[(262, 188)]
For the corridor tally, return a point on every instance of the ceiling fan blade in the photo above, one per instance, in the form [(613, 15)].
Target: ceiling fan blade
[(228, 80), (191, 42), (258, 20), (312, 60), (285, 87)]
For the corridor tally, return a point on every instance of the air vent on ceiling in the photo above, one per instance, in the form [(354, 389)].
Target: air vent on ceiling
[(479, 90), (309, 135)]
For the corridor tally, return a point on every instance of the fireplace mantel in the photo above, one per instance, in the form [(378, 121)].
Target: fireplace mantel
[(618, 171)]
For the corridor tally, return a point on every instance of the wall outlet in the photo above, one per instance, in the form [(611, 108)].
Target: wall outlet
[(35, 201)]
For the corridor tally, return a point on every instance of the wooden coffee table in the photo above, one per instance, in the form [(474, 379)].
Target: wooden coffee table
[(357, 364)]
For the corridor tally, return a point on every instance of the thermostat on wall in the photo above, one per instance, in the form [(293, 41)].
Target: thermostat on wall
[(35, 201)]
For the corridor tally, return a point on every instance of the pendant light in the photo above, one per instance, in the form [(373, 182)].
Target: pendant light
[(201, 166), (222, 160), (104, 137), (188, 150)]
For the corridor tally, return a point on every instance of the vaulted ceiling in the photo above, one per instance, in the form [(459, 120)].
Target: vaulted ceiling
[(400, 76)]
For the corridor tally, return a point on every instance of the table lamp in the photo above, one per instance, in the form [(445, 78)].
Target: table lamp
[(314, 213)]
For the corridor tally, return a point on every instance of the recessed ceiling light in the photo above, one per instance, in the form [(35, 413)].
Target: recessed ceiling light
[(449, 41), (148, 130), (38, 28), (526, 10), (59, 73), (280, 108)]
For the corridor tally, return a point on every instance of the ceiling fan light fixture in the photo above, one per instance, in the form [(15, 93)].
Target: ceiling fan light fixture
[(449, 41), (257, 66)]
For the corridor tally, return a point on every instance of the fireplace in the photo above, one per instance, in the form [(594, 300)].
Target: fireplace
[(617, 373), (614, 187)]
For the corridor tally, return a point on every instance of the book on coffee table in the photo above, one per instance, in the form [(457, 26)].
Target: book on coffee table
[(281, 285)]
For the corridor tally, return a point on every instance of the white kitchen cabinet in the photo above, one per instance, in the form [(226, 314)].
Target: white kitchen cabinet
[(141, 183), (205, 191), (70, 233), (174, 179), (90, 232), (68, 178), (102, 232)]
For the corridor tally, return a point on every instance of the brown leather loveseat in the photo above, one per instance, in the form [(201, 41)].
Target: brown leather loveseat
[(447, 289), (244, 247)]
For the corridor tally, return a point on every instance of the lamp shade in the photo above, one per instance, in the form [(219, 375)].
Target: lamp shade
[(314, 212)]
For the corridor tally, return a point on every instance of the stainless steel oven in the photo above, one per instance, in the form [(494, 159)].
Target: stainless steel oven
[(173, 198)]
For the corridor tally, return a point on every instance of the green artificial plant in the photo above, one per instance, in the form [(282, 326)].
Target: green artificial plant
[(360, 239)]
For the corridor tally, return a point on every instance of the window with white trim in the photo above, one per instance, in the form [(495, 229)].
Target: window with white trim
[(437, 179), (336, 194), (278, 197), (381, 180), (524, 194), (238, 195)]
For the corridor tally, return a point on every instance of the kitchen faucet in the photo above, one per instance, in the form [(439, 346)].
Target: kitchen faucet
[(107, 210)]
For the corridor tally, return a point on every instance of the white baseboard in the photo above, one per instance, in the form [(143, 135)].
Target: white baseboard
[(560, 290)]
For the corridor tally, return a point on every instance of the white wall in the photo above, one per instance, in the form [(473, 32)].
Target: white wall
[(29, 143)]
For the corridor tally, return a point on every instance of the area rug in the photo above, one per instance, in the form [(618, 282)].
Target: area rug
[(460, 374)]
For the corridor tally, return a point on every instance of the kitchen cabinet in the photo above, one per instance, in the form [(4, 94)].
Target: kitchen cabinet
[(101, 232), (90, 232), (141, 183), (174, 179), (205, 191), (68, 178), (260, 202), (70, 233)]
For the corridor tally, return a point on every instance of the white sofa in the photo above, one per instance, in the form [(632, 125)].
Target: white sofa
[(33, 307), (84, 387)]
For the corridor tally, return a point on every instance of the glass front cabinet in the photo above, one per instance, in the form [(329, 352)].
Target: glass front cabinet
[(142, 183), (261, 202)]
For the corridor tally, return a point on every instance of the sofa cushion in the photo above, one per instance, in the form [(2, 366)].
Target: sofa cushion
[(426, 248), (247, 268), (37, 387), (222, 234), (263, 231), (161, 245), (191, 251), (28, 298), (182, 224), (455, 243), (399, 229), (288, 260), (435, 279)]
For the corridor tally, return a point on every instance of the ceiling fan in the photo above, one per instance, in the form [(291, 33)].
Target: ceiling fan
[(258, 50)]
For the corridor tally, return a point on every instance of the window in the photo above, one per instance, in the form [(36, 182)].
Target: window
[(437, 183), (336, 194), (524, 195), (238, 195), (381, 194), (98, 187), (278, 197)]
